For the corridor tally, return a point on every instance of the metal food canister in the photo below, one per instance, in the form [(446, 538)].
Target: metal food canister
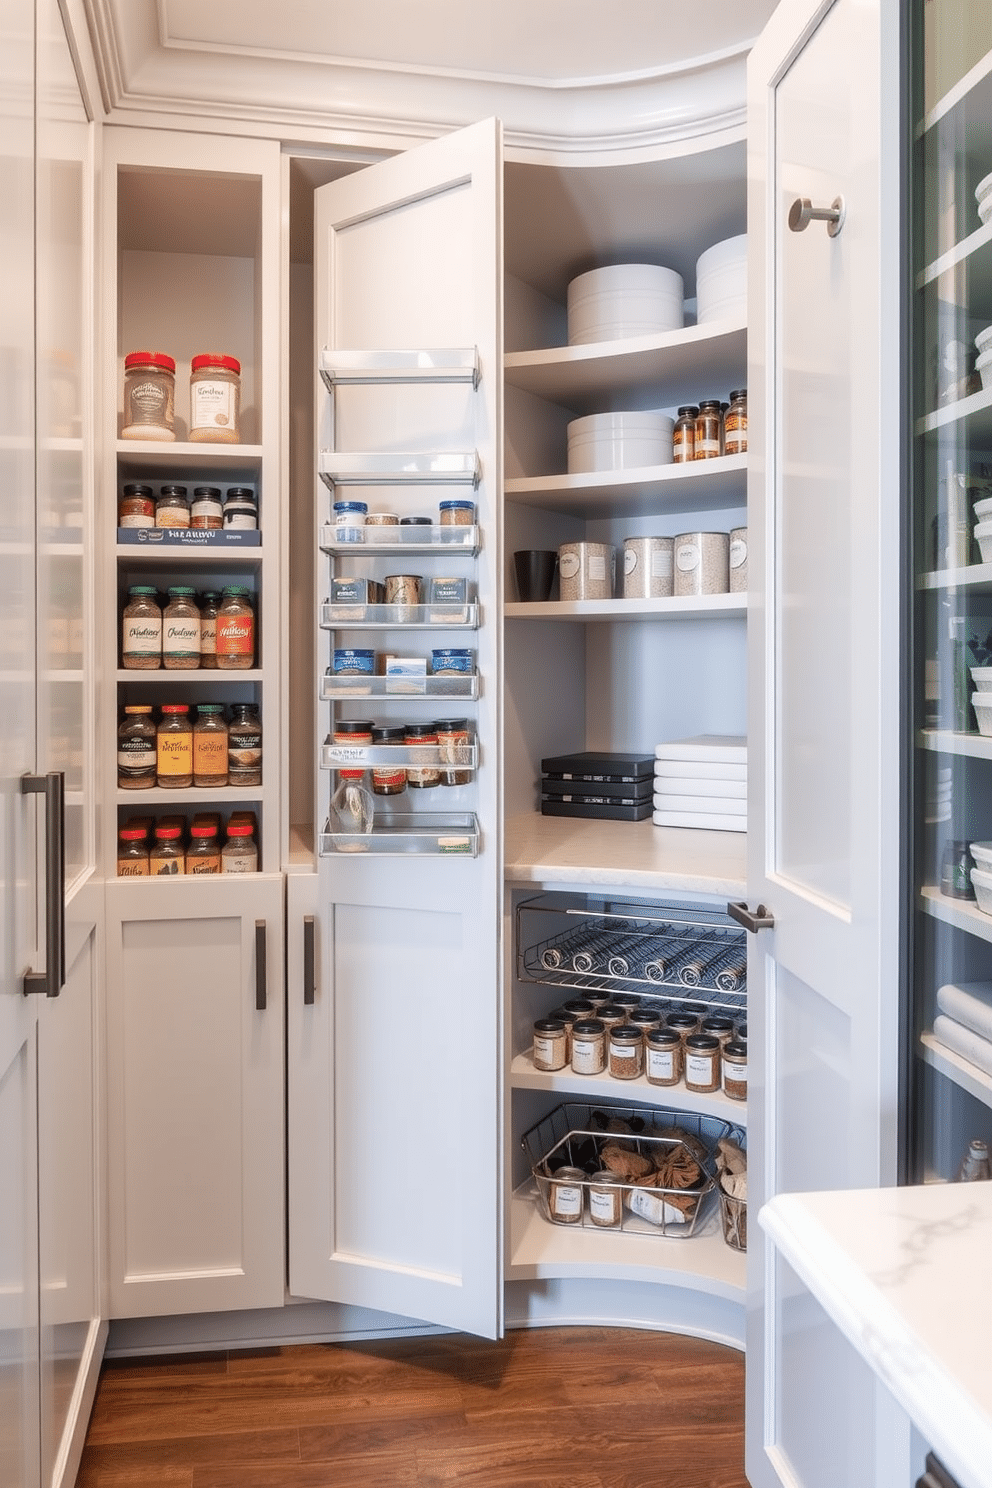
[(647, 567), (403, 589), (585, 570), (702, 563), (738, 560)]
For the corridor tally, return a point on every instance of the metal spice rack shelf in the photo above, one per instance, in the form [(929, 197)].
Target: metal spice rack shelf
[(673, 952)]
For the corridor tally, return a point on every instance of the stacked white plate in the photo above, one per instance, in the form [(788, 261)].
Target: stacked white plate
[(721, 281), (702, 782), (619, 441), (624, 300)]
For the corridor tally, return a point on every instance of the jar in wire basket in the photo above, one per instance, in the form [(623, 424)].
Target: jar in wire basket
[(605, 1200), (565, 1195)]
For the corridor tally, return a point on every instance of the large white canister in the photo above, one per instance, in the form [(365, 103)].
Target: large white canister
[(619, 441), (585, 570), (721, 281), (624, 300)]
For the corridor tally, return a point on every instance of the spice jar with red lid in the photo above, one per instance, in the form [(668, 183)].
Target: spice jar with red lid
[(215, 399), (149, 396)]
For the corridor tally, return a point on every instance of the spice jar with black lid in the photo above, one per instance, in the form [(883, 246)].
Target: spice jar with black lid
[(626, 1052), (588, 1046), (735, 424), (388, 780), (683, 1023), (684, 434), (356, 732), (207, 511), (244, 745), (709, 430), (240, 509), (663, 1056), (626, 1001), (423, 776), (644, 1018), (172, 507), (702, 1063), (579, 1007), (137, 506), (452, 735), (550, 1047), (733, 1064), (611, 1014), (720, 1026)]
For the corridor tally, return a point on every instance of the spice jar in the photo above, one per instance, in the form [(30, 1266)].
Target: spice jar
[(456, 513), (579, 1007), (588, 1046), (644, 1018), (210, 746), (349, 521), (136, 749), (382, 519), (244, 745), (355, 732), (203, 853), (733, 1063), (141, 630), (149, 396), (550, 1047), (683, 1023), (181, 630), (709, 427), (663, 1056), (209, 606), (136, 507), (610, 1015), (174, 747), (215, 399), (626, 1052), (240, 854), (388, 780), (452, 735), (132, 853), (235, 630), (565, 1195), (426, 775), (167, 855), (172, 507), (206, 512), (955, 874), (240, 510), (735, 424), (702, 1062), (719, 1026), (605, 1199), (684, 434)]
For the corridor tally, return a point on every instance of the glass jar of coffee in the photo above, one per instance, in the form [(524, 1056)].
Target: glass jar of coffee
[(181, 630), (244, 745), (210, 746), (141, 630), (136, 748)]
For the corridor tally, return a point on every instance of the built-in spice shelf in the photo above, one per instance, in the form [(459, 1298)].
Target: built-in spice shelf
[(399, 756), (406, 617), (376, 541)]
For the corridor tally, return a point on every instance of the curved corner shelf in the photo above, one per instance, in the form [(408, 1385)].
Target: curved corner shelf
[(699, 485), (695, 607), (523, 1076), (955, 1067)]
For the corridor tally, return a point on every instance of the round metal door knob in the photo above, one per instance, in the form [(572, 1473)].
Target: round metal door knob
[(802, 213)]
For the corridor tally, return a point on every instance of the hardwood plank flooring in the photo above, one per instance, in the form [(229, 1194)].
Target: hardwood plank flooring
[(543, 1408)]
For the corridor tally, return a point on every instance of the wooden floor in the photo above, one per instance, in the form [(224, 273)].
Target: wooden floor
[(544, 1408)]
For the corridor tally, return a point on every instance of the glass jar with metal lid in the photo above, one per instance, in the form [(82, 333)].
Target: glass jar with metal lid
[(388, 780), (565, 1195), (203, 853), (215, 399), (206, 511), (181, 630), (240, 854), (709, 429), (236, 629), (210, 746), (663, 1056), (172, 507), (626, 1054), (358, 733), (456, 513), (588, 1046), (244, 745), (240, 509), (136, 748), (149, 396), (132, 853), (735, 424), (174, 747), (422, 776), (550, 1046), (209, 605), (684, 434), (137, 506), (141, 630), (702, 1063), (452, 734), (733, 1069), (167, 855)]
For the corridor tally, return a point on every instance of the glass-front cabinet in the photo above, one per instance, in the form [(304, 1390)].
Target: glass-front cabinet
[(951, 432)]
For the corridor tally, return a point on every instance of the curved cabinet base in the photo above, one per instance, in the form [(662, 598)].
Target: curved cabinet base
[(564, 1302)]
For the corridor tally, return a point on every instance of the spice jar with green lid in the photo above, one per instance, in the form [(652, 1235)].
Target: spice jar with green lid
[(181, 630), (141, 630), (210, 746)]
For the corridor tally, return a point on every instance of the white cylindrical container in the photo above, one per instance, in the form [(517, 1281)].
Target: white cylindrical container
[(647, 567), (585, 570), (619, 441), (624, 300), (721, 281), (738, 560), (702, 563)]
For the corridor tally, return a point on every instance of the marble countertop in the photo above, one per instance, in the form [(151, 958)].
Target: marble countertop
[(635, 855), (904, 1273)]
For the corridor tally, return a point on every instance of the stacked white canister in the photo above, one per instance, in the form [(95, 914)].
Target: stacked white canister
[(702, 783), (655, 567)]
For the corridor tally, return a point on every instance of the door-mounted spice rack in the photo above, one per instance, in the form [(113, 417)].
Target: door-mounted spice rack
[(436, 365), (400, 468), (410, 617), (431, 834), (341, 686), (388, 541), (398, 756)]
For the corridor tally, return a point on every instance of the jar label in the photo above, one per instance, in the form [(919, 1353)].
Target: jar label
[(587, 1056), (567, 1200), (167, 866), (213, 405), (548, 1051), (150, 402), (204, 863), (235, 635), (181, 638), (596, 565), (244, 749), (738, 552), (661, 563), (245, 862), (208, 636), (135, 756), (624, 1051), (736, 1072), (137, 519), (142, 637), (240, 519), (699, 1069), (568, 565), (629, 559), (687, 557), (175, 754), (603, 1207), (133, 868), (210, 753), (661, 1064)]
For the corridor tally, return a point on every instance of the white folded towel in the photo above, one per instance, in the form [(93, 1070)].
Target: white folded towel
[(971, 1046), (969, 1003)]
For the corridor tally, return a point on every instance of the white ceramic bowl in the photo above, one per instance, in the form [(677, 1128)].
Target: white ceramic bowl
[(619, 441), (983, 889), (982, 678), (983, 509), (721, 280), (624, 300), (982, 704), (982, 854), (983, 537)]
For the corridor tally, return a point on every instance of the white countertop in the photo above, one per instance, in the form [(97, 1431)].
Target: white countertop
[(634, 855), (904, 1273)]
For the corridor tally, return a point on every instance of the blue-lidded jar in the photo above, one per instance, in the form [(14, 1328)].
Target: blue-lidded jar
[(354, 662), (349, 520), (456, 513), (451, 662)]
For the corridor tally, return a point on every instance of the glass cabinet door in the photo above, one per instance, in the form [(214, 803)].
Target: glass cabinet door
[(951, 544)]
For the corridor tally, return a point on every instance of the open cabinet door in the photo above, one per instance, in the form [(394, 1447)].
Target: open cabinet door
[(394, 1066), (823, 627)]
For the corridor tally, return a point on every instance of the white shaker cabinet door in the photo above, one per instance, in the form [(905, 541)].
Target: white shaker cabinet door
[(824, 677), (394, 1112)]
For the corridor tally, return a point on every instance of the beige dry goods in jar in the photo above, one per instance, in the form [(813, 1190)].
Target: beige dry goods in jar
[(735, 424), (172, 507), (626, 1052), (141, 630), (702, 1063), (585, 570), (734, 1069), (174, 747), (550, 1047), (663, 1056), (149, 396), (210, 746), (565, 1195), (181, 630), (684, 435), (588, 1046), (167, 855), (738, 560), (215, 399), (709, 430), (647, 567), (235, 630), (207, 509), (605, 1199), (208, 629), (702, 563)]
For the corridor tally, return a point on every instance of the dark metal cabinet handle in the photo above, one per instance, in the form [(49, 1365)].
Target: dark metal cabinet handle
[(260, 966), (52, 787), (753, 920), (309, 978)]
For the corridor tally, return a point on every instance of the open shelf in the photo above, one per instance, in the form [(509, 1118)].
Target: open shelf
[(559, 851), (943, 741), (694, 607), (955, 1067), (342, 686), (963, 914), (523, 1076), (650, 490)]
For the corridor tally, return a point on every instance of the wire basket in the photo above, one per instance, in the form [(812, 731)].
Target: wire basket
[(571, 1150), (733, 1218)]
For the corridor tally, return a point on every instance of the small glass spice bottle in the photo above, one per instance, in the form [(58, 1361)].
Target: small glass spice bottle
[(181, 630), (132, 853), (244, 745), (240, 509), (733, 1068), (588, 1046), (580, 1007), (215, 399), (240, 854), (136, 748), (174, 747), (719, 1026), (452, 734), (388, 780), (210, 746), (235, 629), (683, 1023), (605, 1199), (141, 630), (550, 1048), (565, 1195), (149, 396), (172, 507), (203, 853), (167, 856), (626, 1052), (663, 1056), (206, 511), (644, 1018), (209, 605), (735, 424), (709, 429), (626, 1002), (356, 733), (684, 434), (136, 507), (611, 1015), (423, 777), (702, 1062)]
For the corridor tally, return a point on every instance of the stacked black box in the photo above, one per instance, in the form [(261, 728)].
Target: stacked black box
[(615, 787)]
